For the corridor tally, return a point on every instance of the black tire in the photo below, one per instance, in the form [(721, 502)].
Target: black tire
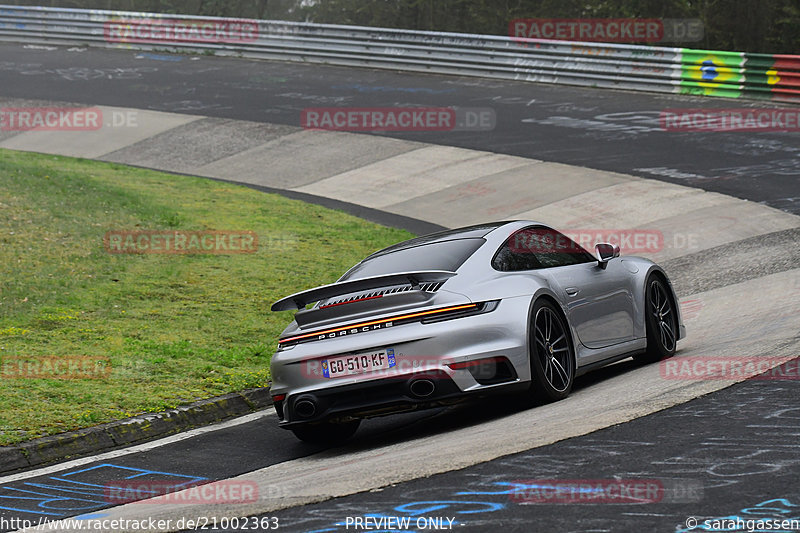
[(326, 433), (551, 354), (661, 321)]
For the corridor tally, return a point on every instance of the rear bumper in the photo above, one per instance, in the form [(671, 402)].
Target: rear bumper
[(366, 400), (373, 398)]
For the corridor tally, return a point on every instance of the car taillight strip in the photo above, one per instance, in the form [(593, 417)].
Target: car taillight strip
[(318, 334)]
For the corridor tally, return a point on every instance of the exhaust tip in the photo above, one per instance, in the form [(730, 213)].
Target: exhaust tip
[(421, 388), (305, 407)]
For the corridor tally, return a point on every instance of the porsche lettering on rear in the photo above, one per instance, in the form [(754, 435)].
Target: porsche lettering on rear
[(353, 331)]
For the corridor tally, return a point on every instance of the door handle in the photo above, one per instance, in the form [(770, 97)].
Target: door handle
[(571, 291)]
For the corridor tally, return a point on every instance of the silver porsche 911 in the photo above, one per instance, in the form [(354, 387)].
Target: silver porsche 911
[(448, 316)]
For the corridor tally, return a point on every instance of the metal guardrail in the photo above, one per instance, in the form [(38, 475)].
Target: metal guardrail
[(615, 66)]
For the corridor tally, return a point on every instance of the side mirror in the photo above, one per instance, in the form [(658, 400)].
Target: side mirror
[(605, 252)]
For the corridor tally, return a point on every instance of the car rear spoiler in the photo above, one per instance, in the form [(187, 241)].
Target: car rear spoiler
[(301, 299)]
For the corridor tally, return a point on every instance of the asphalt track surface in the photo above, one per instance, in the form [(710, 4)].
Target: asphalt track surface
[(606, 130), (739, 444), (729, 454)]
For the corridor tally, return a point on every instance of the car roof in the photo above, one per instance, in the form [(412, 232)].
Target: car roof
[(477, 231)]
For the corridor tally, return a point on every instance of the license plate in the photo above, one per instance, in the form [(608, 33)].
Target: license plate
[(347, 365)]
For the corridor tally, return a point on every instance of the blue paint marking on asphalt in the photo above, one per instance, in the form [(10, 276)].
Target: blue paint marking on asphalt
[(141, 472), (431, 506), (518, 487), (75, 491), (769, 505)]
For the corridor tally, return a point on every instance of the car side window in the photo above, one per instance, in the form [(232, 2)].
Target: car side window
[(538, 247)]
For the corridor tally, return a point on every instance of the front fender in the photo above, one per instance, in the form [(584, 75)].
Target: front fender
[(649, 269)]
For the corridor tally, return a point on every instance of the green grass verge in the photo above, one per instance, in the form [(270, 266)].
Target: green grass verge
[(176, 328)]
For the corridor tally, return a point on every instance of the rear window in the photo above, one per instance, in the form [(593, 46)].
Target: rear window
[(442, 255), (538, 247)]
